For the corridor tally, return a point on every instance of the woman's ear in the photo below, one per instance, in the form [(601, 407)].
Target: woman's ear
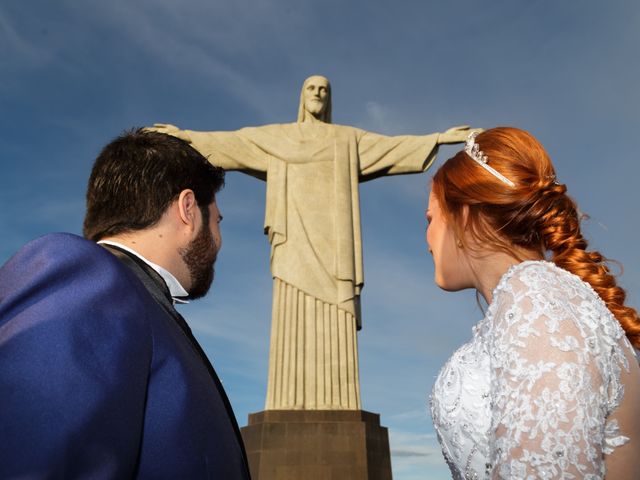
[(465, 216)]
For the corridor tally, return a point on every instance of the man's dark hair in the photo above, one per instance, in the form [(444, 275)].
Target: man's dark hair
[(137, 176)]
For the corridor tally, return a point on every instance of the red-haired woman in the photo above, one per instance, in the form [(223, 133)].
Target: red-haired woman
[(549, 385)]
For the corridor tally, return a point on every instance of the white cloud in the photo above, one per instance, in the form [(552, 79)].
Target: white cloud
[(17, 48), (416, 455), (424, 448), (210, 50), (417, 414), (377, 117), (219, 325)]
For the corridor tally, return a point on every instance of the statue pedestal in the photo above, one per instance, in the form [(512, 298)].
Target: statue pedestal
[(317, 445)]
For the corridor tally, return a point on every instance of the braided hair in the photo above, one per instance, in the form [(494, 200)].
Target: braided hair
[(536, 214)]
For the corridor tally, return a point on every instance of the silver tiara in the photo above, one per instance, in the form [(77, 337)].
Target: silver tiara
[(472, 149)]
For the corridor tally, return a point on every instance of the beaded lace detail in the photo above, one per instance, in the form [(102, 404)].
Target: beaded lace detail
[(530, 395)]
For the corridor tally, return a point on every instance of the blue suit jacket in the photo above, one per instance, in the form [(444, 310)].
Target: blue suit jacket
[(98, 379)]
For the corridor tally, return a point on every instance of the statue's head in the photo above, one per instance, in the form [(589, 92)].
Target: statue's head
[(315, 100)]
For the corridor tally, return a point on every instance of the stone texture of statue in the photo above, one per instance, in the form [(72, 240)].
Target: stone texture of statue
[(312, 218)]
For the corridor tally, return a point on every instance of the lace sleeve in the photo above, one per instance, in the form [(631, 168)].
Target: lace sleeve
[(549, 385)]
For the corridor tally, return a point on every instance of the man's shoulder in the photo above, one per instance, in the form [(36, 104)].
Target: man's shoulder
[(65, 253), (57, 247), (70, 269)]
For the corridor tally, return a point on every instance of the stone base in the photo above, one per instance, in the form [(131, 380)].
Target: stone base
[(317, 445)]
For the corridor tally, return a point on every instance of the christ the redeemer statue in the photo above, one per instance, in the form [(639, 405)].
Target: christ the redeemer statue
[(312, 169)]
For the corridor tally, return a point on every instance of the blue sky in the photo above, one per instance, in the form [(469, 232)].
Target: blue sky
[(73, 75)]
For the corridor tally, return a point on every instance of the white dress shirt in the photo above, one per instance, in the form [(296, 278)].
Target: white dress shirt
[(177, 291)]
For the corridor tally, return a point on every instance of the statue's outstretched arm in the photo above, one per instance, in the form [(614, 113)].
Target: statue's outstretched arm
[(456, 134), (236, 150), (382, 155)]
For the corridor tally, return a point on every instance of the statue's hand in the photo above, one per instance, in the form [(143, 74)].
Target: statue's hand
[(457, 134), (170, 130)]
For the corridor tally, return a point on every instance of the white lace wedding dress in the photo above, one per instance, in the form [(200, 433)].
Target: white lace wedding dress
[(530, 396)]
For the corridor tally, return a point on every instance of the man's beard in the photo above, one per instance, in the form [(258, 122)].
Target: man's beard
[(199, 256)]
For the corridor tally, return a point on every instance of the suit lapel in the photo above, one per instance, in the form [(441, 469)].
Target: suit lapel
[(158, 289)]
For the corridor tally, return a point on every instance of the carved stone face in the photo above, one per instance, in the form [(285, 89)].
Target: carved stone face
[(315, 92)]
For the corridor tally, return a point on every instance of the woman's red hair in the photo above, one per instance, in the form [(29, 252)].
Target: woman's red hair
[(535, 215)]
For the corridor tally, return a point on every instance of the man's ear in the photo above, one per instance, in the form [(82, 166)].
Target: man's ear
[(188, 208)]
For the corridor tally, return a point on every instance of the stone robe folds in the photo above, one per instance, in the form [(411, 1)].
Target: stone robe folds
[(313, 223)]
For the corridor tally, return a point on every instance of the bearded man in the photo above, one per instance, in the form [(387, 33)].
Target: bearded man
[(100, 376)]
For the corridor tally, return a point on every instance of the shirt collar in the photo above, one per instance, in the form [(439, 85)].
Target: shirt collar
[(177, 291)]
